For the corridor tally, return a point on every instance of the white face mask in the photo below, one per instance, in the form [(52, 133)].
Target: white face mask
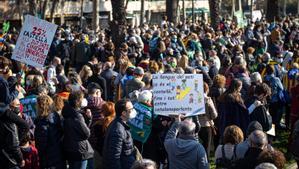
[(133, 114), (279, 60)]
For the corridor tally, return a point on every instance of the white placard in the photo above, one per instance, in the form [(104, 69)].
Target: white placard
[(178, 94), (34, 41)]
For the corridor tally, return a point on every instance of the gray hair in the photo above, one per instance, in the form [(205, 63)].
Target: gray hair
[(187, 127), (145, 96), (256, 77), (266, 166), (144, 164), (258, 139)]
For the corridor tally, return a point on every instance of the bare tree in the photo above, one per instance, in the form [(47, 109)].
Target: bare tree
[(118, 24), (215, 13), (142, 12), (171, 10), (272, 10), (32, 7), (54, 5), (95, 15)]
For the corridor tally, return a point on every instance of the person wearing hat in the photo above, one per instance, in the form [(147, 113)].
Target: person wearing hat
[(136, 83)]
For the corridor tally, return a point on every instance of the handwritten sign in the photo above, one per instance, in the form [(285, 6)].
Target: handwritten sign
[(34, 41), (178, 94)]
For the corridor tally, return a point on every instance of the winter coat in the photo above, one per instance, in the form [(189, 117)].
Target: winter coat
[(48, 139), (10, 155), (118, 150), (232, 112), (76, 133)]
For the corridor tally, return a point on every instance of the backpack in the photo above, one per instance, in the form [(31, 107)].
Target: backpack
[(153, 44), (225, 163)]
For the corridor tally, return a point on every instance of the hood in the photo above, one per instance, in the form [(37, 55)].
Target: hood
[(184, 147)]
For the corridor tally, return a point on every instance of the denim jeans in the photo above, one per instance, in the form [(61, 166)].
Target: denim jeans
[(78, 164)]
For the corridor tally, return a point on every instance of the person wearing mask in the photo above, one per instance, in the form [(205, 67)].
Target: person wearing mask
[(77, 148), (11, 155), (48, 134), (51, 75), (136, 83), (119, 152)]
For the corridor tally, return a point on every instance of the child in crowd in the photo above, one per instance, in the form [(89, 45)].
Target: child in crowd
[(30, 154)]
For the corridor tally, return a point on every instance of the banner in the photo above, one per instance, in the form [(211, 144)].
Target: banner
[(29, 104), (178, 94), (34, 41), (141, 125)]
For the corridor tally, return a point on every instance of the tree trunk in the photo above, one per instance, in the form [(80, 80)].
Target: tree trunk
[(62, 2), (214, 12), (118, 24), (193, 14), (54, 4), (32, 7), (171, 10), (43, 10), (298, 7), (184, 11), (142, 12), (272, 10), (284, 8), (95, 15)]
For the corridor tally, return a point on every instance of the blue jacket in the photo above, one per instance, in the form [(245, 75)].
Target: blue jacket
[(119, 152)]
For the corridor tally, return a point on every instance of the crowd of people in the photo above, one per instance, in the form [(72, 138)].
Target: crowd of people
[(78, 111)]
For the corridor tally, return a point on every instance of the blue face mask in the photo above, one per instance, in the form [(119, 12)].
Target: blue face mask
[(174, 40)]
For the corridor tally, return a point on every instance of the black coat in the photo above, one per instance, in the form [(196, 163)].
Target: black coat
[(9, 143), (76, 133), (250, 160), (48, 139), (109, 75), (118, 150)]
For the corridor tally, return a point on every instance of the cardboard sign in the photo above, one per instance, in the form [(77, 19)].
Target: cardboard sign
[(178, 94), (34, 41)]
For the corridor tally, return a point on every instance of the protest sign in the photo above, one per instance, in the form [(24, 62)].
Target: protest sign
[(29, 106), (178, 94), (141, 125), (34, 41)]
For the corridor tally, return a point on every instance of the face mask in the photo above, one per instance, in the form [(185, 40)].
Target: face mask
[(16, 109), (133, 114)]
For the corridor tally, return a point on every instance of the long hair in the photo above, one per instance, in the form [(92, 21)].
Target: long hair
[(109, 114), (232, 92), (44, 106)]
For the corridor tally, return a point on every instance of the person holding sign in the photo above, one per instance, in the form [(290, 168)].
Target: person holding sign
[(184, 151)]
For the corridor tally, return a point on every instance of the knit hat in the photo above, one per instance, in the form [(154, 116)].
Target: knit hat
[(254, 125)]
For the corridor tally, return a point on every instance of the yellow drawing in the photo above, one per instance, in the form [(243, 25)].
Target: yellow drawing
[(183, 93), (141, 133)]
